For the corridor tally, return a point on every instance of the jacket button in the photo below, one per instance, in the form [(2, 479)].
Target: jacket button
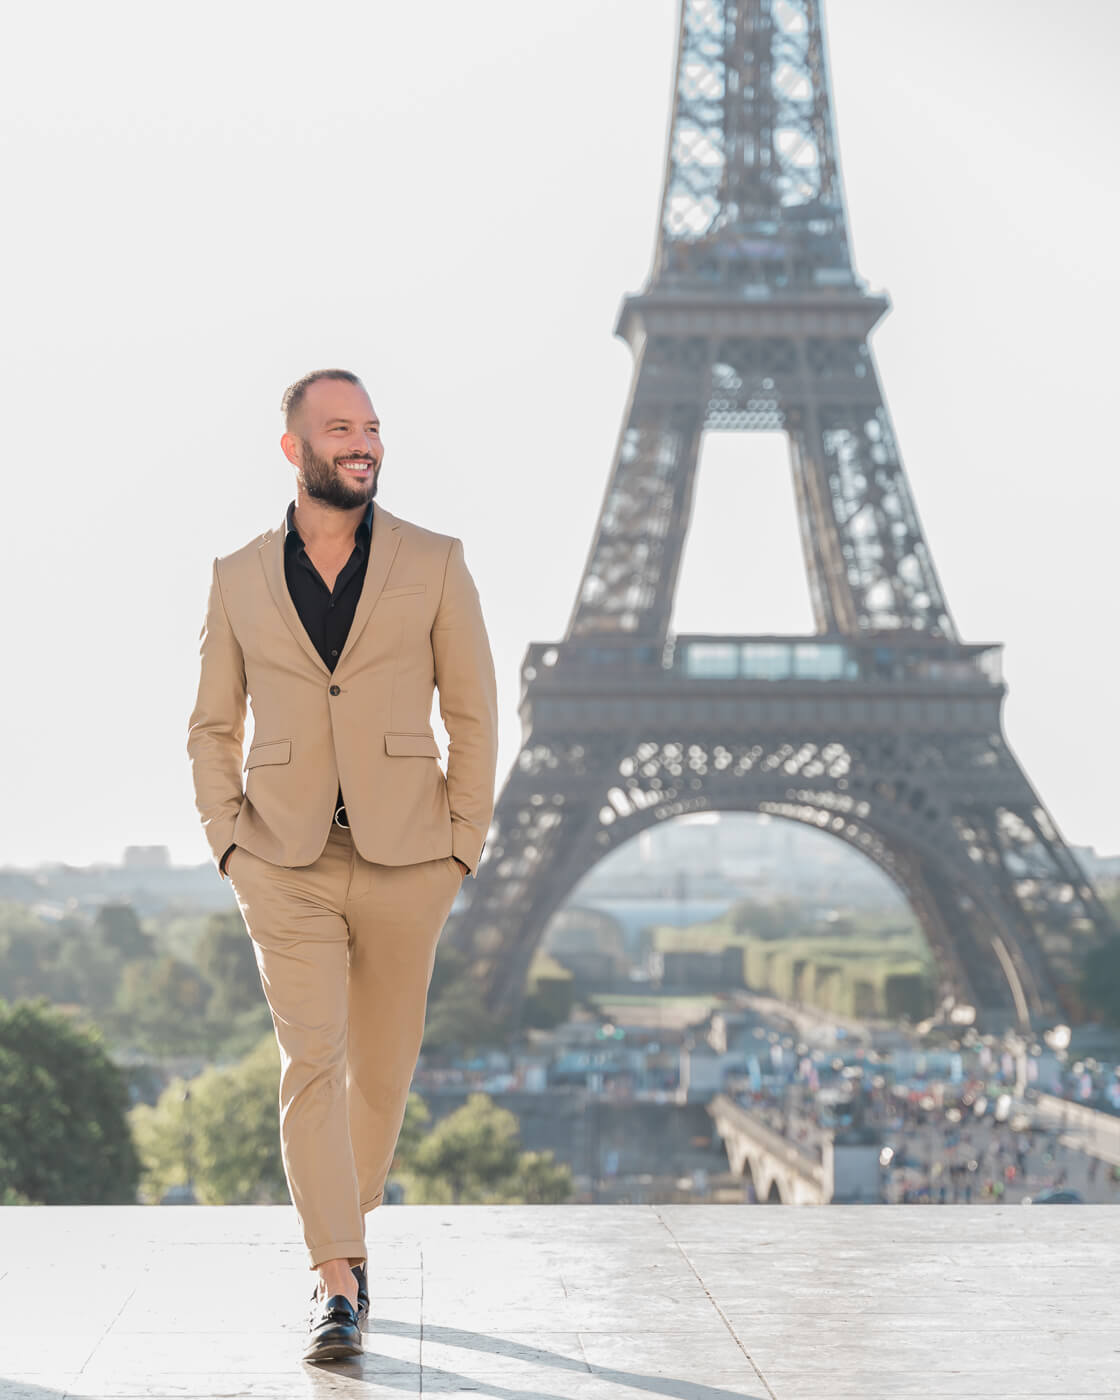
[(336, 690)]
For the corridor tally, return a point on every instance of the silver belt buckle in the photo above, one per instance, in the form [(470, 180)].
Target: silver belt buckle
[(340, 818)]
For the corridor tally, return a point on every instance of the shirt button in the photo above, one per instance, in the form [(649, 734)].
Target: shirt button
[(336, 690), (334, 651)]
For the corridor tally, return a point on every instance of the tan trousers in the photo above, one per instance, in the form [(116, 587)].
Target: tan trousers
[(345, 950)]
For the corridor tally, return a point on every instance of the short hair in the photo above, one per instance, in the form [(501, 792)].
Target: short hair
[(294, 393)]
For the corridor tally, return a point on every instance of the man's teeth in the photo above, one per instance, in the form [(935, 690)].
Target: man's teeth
[(357, 466)]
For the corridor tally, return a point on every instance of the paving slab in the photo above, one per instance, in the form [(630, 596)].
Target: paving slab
[(688, 1302)]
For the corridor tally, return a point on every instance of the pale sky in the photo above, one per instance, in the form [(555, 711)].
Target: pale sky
[(203, 202)]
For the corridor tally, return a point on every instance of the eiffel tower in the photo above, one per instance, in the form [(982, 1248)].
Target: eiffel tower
[(882, 727)]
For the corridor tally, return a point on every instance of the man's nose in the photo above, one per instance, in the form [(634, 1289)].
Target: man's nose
[(365, 445)]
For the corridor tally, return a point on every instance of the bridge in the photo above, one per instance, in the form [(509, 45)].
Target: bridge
[(821, 1169)]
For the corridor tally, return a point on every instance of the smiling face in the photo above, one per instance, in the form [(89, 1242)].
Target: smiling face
[(334, 442)]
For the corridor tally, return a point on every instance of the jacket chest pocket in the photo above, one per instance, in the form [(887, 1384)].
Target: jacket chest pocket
[(402, 591)]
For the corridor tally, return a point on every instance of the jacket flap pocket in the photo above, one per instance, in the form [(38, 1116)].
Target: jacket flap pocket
[(406, 588), (276, 751), (419, 745)]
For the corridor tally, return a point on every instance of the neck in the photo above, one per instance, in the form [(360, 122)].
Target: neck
[(319, 523)]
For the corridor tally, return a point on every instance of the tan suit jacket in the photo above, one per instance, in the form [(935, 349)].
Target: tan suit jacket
[(417, 626)]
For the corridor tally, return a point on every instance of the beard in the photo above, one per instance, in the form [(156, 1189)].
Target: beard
[(323, 482)]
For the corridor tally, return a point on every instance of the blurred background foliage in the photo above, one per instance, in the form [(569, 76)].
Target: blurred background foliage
[(64, 1136), (138, 1063)]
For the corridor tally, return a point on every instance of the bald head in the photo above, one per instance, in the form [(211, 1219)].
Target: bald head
[(295, 395)]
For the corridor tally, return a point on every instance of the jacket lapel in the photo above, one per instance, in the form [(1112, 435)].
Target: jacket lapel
[(382, 551), (272, 560)]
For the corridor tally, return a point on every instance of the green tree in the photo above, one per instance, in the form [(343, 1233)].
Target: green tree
[(119, 930), (472, 1151), (64, 1137), (456, 1015), (540, 1180), (87, 973), (63, 960), (550, 996), (456, 1018), (219, 1133), (227, 961), (451, 966), (781, 919), (458, 1022), (234, 1039), (162, 1004), (474, 1155), (21, 972), (24, 957), (415, 1125)]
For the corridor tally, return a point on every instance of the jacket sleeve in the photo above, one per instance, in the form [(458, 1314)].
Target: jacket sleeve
[(468, 703), (216, 733)]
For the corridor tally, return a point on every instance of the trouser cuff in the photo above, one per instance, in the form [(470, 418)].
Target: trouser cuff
[(339, 1249)]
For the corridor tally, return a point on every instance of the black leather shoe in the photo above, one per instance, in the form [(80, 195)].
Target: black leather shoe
[(359, 1272), (334, 1330)]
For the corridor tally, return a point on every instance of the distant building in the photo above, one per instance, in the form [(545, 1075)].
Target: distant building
[(589, 944), (702, 970), (146, 858), (702, 1070)]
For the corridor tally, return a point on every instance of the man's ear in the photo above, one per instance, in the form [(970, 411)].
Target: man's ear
[(290, 446)]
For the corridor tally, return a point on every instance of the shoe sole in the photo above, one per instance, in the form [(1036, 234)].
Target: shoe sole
[(333, 1351)]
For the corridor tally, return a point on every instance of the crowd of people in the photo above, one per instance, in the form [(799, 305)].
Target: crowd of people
[(936, 1148)]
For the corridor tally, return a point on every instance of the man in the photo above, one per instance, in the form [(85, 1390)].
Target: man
[(348, 845)]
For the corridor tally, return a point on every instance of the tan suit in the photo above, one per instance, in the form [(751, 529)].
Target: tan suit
[(417, 625), (345, 923)]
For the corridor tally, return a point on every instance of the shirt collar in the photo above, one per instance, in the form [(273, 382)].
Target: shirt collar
[(294, 540)]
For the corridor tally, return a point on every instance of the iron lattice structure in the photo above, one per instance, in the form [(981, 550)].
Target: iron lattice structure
[(883, 727)]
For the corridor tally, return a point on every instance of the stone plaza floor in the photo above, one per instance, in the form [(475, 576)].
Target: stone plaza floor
[(691, 1302)]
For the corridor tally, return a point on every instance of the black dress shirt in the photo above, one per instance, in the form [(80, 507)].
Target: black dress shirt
[(326, 613)]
